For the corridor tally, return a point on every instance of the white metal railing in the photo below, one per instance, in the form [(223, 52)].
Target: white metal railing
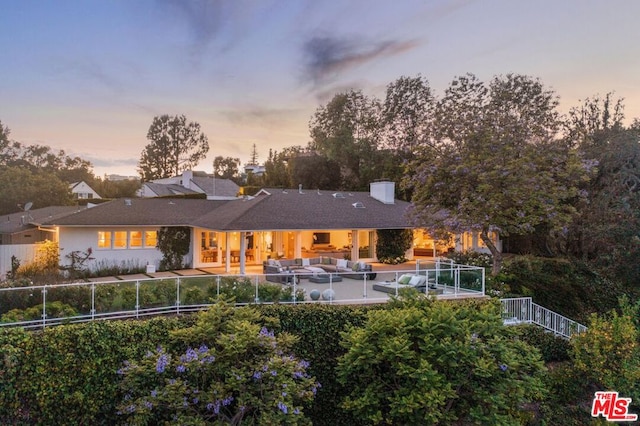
[(519, 310), (120, 299)]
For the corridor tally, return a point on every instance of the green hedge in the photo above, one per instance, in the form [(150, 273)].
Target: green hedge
[(68, 374)]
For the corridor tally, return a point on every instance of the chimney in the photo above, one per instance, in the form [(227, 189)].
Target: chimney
[(383, 191), (187, 175)]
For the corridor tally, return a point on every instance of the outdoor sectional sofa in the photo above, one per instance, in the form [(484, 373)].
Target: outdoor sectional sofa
[(280, 270)]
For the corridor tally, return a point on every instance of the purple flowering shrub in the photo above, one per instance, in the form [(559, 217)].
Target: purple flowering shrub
[(242, 372)]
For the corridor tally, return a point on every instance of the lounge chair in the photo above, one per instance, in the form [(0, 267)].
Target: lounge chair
[(419, 282)]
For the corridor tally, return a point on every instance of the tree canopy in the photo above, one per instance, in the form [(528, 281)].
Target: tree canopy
[(607, 228), (37, 174), (494, 164), (175, 145), (347, 131), (226, 167)]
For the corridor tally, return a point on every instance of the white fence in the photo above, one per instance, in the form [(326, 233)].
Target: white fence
[(522, 310), (25, 253)]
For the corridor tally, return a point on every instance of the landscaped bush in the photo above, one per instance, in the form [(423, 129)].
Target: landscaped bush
[(19, 299), (319, 328), (243, 290), (471, 258), (552, 348), (392, 245), (423, 362), (567, 287), (235, 369), (82, 361), (471, 280), (67, 374), (104, 268), (53, 309)]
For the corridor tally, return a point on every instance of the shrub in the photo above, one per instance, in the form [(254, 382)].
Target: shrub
[(471, 258), (241, 371), (104, 268), (568, 287), (551, 347), (53, 309), (430, 362), (609, 351), (392, 245), (243, 290)]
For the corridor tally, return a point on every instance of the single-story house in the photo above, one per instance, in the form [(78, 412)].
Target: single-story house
[(274, 223), (21, 231), (24, 227), (190, 182)]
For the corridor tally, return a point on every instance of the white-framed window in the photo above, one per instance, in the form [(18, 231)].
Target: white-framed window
[(120, 239), (104, 239), (150, 239), (135, 239), (127, 239)]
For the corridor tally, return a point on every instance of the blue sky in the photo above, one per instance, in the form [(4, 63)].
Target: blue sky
[(89, 76)]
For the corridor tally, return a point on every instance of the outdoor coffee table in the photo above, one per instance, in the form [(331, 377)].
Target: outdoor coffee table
[(325, 278)]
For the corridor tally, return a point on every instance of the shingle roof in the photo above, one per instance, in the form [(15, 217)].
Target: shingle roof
[(164, 190), (16, 222), (216, 187), (291, 209), (141, 212), (274, 210)]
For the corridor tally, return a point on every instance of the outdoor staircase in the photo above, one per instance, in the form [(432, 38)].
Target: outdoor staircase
[(519, 310)]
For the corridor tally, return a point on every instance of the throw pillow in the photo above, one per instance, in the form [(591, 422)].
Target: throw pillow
[(305, 262), (277, 263), (356, 267), (326, 261), (341, 263), (298, 261), (404, 279), (415, 280)]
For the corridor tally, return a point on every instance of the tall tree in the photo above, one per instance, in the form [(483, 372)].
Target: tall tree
[(175, 145), (253, 160), (607, 227), (407, 115), (314, 171), (226, 167), (347, 130), (494, 164), (20, 186)]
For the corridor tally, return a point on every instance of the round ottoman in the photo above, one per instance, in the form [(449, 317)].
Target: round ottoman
[(328, 294)]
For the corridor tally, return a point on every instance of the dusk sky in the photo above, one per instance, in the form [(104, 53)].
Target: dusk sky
[(89, 76)]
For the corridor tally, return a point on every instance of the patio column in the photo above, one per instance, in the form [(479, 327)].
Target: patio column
[(227, 253), (298, 246), (355, 253), (243, 247)]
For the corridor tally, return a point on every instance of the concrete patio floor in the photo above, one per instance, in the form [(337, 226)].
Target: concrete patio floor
[(345, 291)]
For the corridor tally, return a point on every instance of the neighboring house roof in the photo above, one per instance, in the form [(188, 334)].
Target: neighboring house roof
[(164, 190), (21, 221), (216, 187), (83, 189), (271, 209), (191, 183)]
